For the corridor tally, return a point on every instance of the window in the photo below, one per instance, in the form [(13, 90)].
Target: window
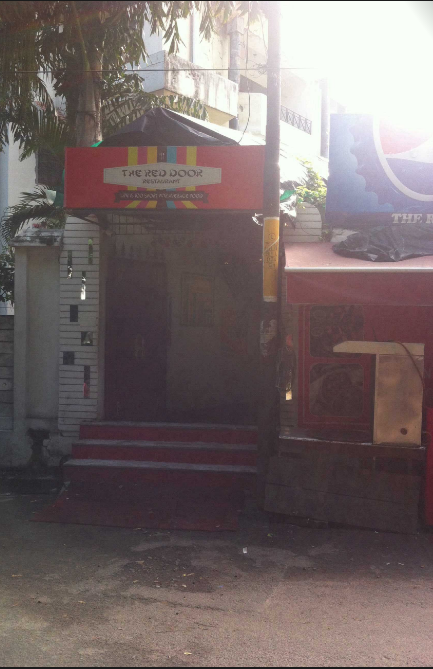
[(333, 387), (68, 358)]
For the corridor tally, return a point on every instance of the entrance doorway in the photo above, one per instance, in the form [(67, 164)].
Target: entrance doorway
[(137, 339), (182, 323)]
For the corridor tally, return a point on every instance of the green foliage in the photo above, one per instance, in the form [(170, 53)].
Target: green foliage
[(43, 130), (313, 190), (7, 271), (122, 101), (74, 40), (35, 206)]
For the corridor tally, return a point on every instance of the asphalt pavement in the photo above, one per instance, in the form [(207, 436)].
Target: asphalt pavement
[(272, 594)]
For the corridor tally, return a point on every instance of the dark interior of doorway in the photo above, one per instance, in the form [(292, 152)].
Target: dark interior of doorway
[(138, 334), (137, 337)]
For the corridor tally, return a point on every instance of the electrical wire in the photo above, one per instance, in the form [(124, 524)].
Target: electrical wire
[(413, 361), (260, 68)]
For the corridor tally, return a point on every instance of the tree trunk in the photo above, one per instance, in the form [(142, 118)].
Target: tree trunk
[(88, 124), (96, 65)]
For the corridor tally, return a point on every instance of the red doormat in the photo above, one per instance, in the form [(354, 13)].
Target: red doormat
[(155, 507)]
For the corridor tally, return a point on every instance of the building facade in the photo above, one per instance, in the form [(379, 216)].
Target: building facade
[(55, 269)]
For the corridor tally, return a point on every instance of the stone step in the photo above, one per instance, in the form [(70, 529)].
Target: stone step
[(166, 451), (173, 432), (121, 472)]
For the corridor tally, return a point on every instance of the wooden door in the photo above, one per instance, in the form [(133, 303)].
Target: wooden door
[(137, 339)]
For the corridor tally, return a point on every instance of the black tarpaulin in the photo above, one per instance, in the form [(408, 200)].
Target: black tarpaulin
[(163, 127), (389, 243)]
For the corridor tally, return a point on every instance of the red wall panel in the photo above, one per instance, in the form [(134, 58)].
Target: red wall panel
[(393, 289)]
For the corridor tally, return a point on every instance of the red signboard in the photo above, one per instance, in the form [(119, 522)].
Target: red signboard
[(168, 177)]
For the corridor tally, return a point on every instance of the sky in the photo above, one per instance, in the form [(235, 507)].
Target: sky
[(378, 55)]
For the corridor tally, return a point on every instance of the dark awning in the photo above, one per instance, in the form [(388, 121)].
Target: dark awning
[(163, 127), (317, 275)]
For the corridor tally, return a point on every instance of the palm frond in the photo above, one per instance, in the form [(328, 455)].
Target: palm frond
[(120, 107), (20, 62), (41, 130), (33, 206)]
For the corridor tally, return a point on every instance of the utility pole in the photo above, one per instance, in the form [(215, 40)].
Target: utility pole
[(324, 141), (269, 327), (235, 30)]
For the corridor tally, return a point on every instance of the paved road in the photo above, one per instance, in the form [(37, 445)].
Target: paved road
[(94, 597)]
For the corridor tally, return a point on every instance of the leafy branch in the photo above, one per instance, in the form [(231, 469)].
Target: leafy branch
[(313, 191)]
